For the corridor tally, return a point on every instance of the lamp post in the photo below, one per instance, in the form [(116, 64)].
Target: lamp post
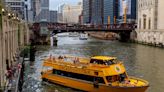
[(1, 9), (26, 7), (0, 46)]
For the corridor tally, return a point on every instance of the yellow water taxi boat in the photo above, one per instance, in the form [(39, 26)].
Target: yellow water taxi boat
[(95, 74)]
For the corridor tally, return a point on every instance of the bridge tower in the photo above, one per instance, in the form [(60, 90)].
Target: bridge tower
[(125, 15), (108, 22)]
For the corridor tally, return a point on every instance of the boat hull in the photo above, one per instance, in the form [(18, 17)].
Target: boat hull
[(88, 86)]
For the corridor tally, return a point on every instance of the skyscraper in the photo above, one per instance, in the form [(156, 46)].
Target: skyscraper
[(53, 16), (60, 15), (44, 14), (35, 7), (97, 12), (71, 13), (17, 6), (87, 11), (130, 7), (110, 11)]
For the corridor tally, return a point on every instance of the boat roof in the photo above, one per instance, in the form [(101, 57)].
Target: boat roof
[(103, 58)]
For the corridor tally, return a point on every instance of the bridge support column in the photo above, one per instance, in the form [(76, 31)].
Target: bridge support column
[(124, 36), (53, 41)]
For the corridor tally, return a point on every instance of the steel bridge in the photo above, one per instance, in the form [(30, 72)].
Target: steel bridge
[(63, 27), (123, 30)]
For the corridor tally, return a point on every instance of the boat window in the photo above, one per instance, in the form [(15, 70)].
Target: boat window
[(109, 62), (99, 79), (122, 77), (77, 76), (95, 61), (115, 78), (109, 78), (105, 62), (112, 78)]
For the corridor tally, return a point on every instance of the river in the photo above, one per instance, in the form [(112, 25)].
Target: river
[(141, 61)]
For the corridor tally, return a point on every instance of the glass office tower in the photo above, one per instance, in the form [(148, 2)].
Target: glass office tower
[(110, 11), (97, 12), (87, 8)]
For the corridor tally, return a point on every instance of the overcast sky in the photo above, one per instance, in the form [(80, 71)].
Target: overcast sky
[(55, 3)]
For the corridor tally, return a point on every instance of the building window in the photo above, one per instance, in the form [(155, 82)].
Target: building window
[(140, 23), (144, 23), (149, 23)]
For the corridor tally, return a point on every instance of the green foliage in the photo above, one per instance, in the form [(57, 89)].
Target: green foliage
[(25, 51)]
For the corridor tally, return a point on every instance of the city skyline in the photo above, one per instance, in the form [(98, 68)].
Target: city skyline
[(81, 45), (55, 3)]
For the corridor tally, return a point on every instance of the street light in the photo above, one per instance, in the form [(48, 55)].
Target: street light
[(26, 7), (3, 10), (9, 15)]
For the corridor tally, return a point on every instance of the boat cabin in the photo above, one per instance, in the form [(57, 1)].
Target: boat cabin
[(103, 60)]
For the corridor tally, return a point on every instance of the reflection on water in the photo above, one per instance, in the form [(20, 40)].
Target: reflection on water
[(140, 61)]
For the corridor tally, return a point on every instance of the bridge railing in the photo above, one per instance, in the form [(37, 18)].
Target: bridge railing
[(57, 26)]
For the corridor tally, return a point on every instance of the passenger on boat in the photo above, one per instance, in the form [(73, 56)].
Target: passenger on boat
[(64, 56), (76, 60), (95, 62), (122, 77), (109, 79), (54, 59), (127, 81), (60, 57), (50, 56), (96, 83), (136, 82)]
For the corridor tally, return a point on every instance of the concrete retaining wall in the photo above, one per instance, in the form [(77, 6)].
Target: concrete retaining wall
[(150, 37)]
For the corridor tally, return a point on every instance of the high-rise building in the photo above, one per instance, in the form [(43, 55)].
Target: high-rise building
[(30, 16), (150, 14), (150, 22), (35, 7), (110, 11), (41, 11), (87, 11), (53, 16), (71, 13), (128, 7), (60, 15), (97, 12), (17, 6), (44, 12)]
